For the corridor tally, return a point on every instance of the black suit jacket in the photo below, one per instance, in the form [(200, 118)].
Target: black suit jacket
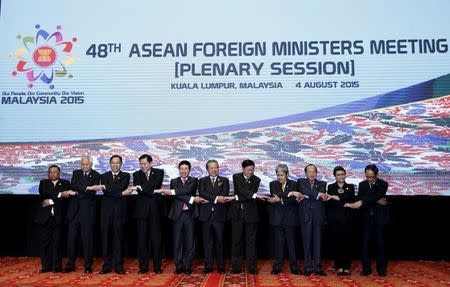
[(182, 196), (245, 207), (114, 203), (147, 202), (283, 213), (336, 212), (369, 197), (311, 206), (47, 190), (209, 192), (83, 203)]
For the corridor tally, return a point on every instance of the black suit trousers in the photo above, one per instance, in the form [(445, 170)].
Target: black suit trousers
[(284, 236), (341, 233), (112, 243), (149, 232), (312, 241), (50, 249), (183, 240), (371, 228), (238, 227), (86, 230), (213, 232)]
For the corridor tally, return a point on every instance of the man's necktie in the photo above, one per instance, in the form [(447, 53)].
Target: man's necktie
[(184, 207), (115, 177)]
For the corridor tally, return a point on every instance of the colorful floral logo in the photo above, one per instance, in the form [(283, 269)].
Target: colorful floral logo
[(44, 56)]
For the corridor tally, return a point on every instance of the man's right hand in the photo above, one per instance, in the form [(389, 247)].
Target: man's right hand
[(127, 192), (221, 199), (199, 200)]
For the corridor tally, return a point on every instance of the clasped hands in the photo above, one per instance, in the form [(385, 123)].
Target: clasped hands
[(197, 199), (65, 194)]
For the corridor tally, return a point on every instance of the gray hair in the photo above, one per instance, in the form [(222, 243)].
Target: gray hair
[(88, 157), (282, 168), (211, 161)]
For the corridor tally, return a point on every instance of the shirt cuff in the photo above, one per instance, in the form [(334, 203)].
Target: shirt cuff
[(50, 202), (191, 200), (282, 201), (254, 196), (318, 196), (237, 198), (59, 195), (172, 191), (215, 200)]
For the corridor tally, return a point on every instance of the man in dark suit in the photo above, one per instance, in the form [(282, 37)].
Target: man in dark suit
[(50, 217), (283, 218), (149, 212), (113, 215), (81, 214), (213, 214), (312, 217), (374, 214), (243, 213), (183, 213)]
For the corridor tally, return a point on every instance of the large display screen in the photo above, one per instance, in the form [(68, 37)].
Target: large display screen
[(296, 82)]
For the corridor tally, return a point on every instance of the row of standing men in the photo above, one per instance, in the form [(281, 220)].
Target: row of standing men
[(291, 204)]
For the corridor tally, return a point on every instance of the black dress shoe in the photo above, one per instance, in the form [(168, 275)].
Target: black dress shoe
[(120, 271), (253, 271), (188, 271), (178, 271), (320, 273), (382, 273), (365, 273), (105, 271), (57, 270), (88, 270), (236, 271), (207, 270), (142, 271), (275, 271), (340, 273), (296, 272), (45, 270), (158, 270), (68, 269), (307, 273)]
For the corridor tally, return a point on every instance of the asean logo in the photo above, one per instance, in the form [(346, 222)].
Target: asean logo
[(44, 56)]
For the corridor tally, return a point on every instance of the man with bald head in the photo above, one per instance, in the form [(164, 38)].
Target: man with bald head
[(50, 218), (81, 213)]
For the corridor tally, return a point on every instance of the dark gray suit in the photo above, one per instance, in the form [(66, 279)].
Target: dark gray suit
[(312, 217), (213, 217), (81, 215), (284, 221), (183, 215)]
